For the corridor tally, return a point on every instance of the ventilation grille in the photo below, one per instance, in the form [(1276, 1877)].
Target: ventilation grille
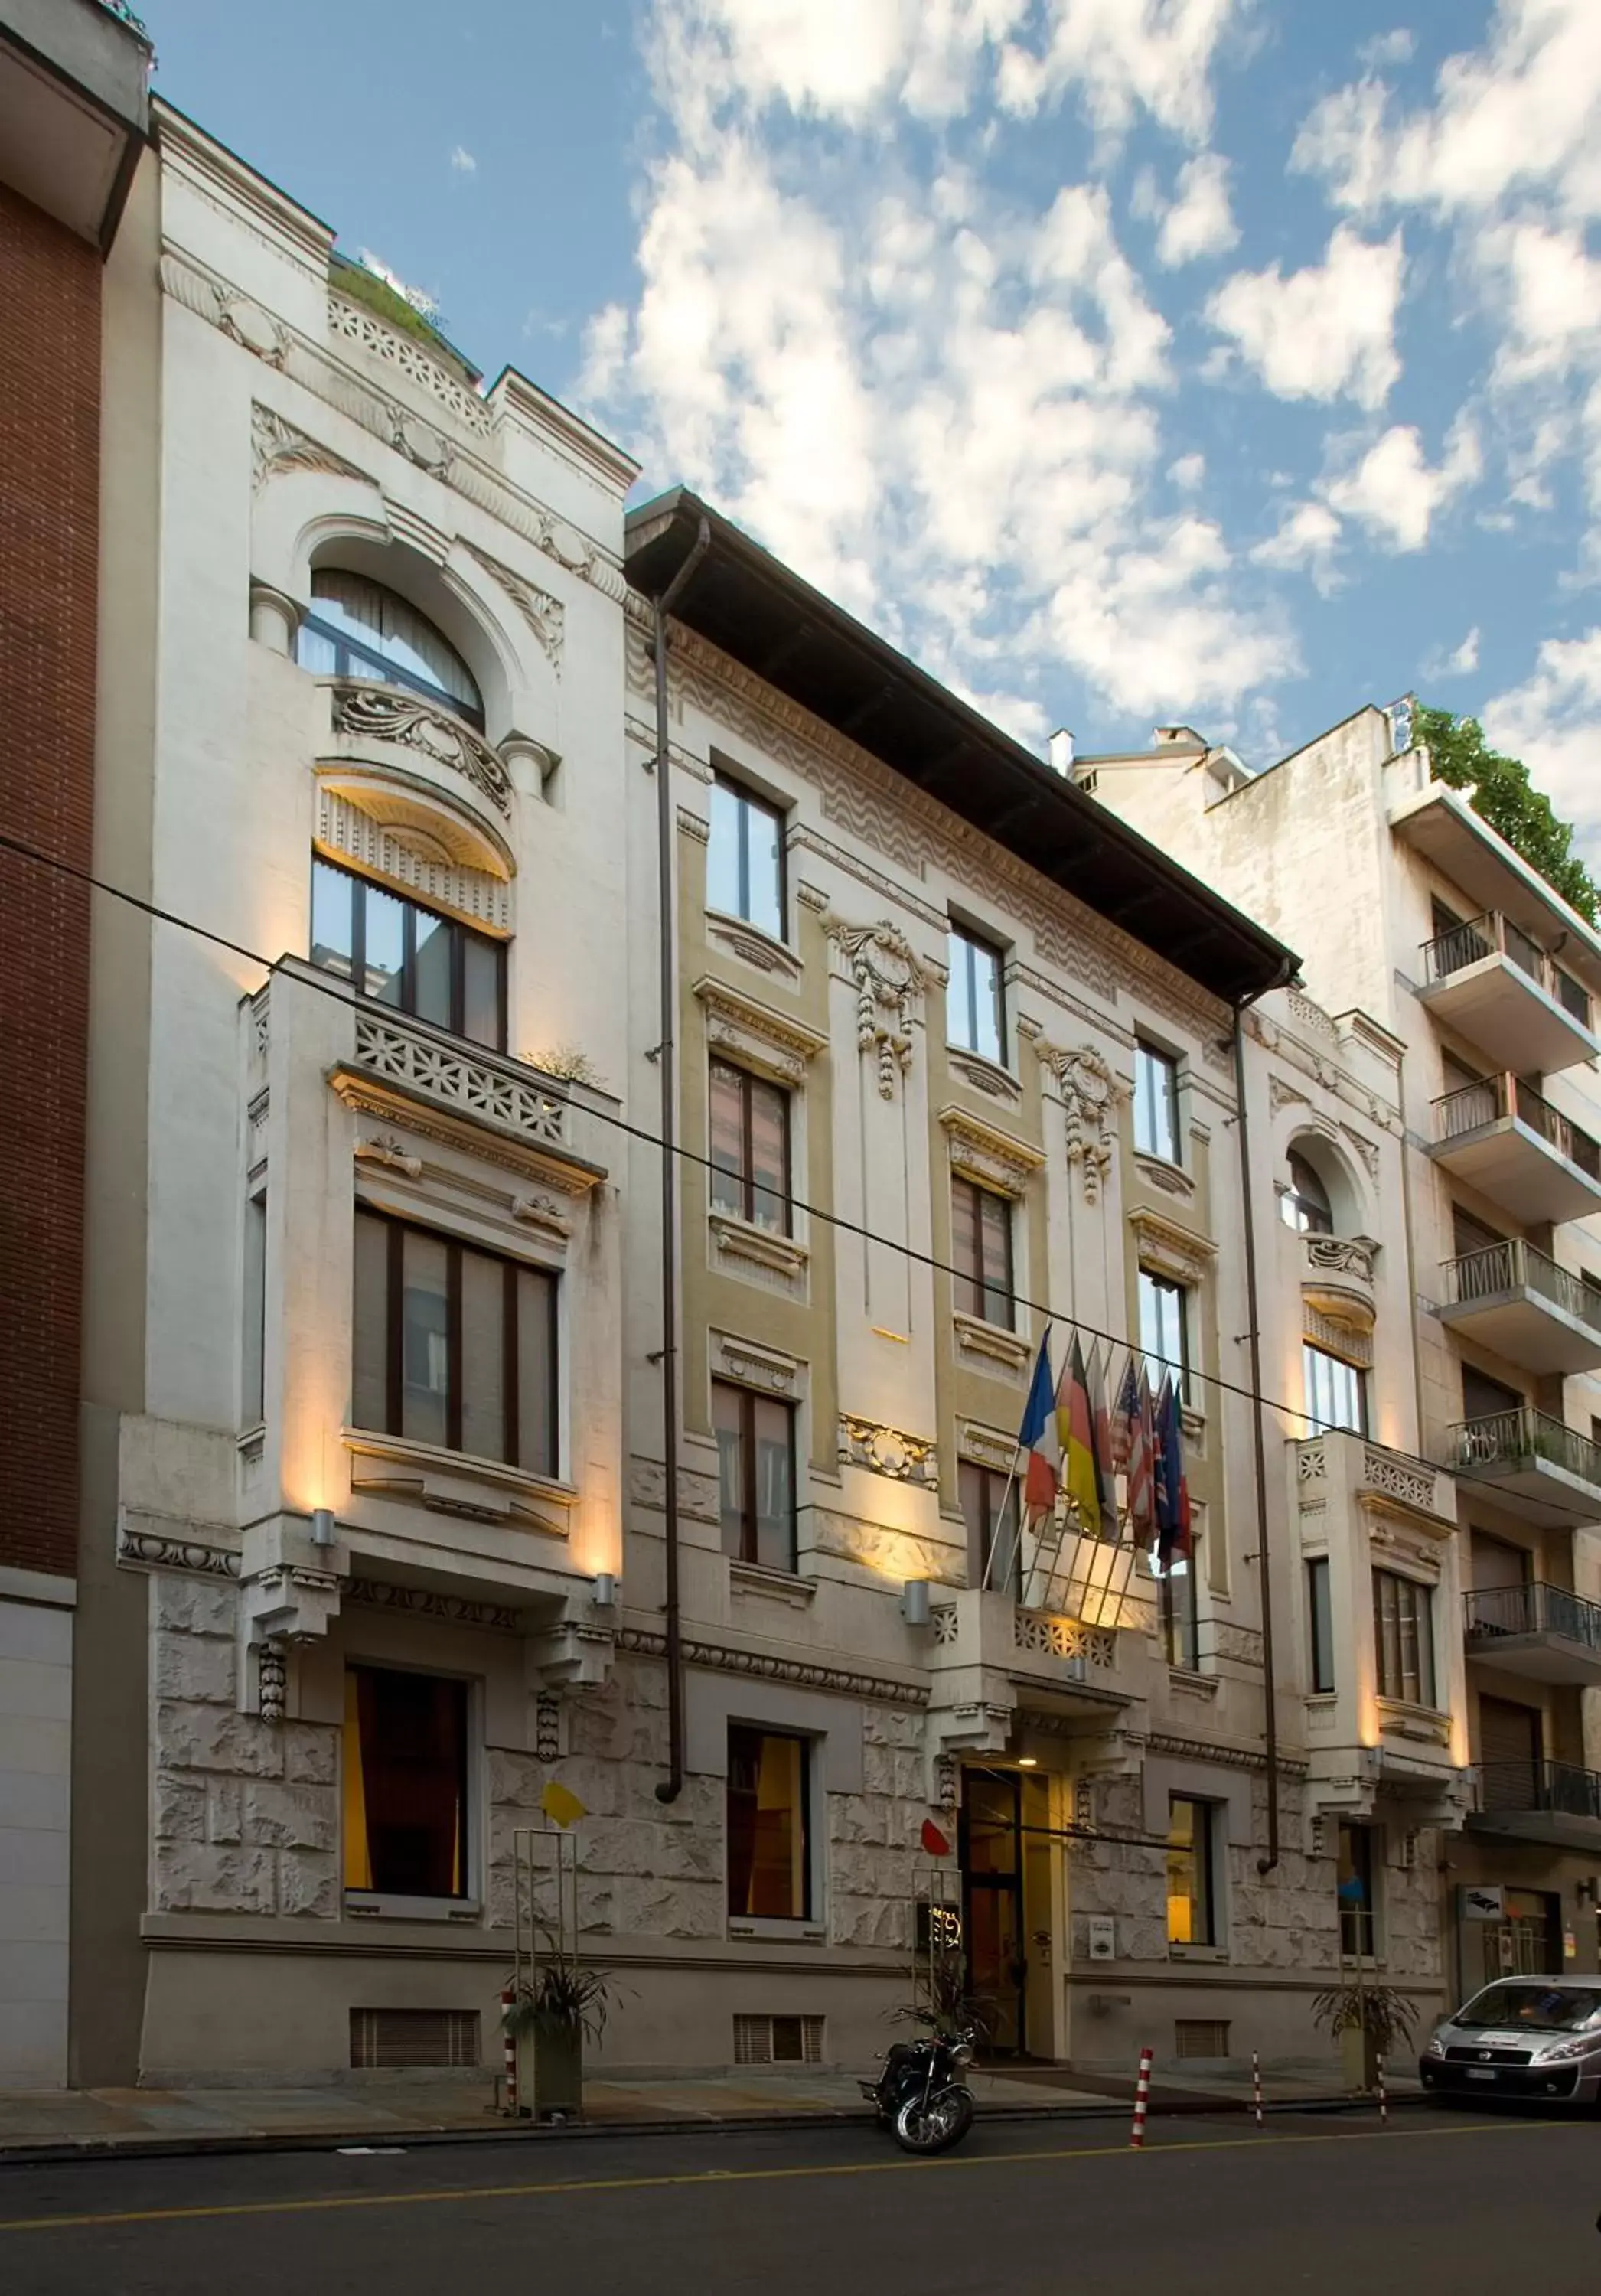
[(438, 2039), (778, 2040), (1201, 2037)]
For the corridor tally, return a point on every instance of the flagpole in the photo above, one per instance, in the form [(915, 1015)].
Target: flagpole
[(985, 1582)]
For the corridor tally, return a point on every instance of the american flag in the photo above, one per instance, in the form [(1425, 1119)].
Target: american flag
[(1142, 1467)]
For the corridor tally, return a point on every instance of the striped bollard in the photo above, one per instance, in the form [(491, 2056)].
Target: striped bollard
[(1141, 2100), (1256, 2085), (509, 2045), (1383, 2097)]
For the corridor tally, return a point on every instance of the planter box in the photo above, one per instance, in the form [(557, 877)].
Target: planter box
[(1359, 2059), (550, 2072)]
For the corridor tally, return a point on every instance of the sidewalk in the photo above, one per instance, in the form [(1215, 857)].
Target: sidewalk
[(396, 2109)]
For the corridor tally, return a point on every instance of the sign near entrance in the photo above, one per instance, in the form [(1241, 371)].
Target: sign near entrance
[(1103, 1937), (1483, 1903), (1570, 1945)]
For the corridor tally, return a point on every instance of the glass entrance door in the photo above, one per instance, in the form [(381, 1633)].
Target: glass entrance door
[(991, 1848)]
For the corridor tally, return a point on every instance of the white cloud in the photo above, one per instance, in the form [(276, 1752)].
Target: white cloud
[(1200, 221), (1460, 661), (1549, 292), (1187, 472), (1395, 48), (1322, 331), (1304, 543), (1553, 723), (1124, 56), (1393, 492), (462, 161)]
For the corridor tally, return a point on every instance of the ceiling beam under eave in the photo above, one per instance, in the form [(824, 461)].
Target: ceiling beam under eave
[(785, 651), (850, 721)]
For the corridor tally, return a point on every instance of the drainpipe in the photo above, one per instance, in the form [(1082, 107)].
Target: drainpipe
[(1267, 1863), (672, 1785)]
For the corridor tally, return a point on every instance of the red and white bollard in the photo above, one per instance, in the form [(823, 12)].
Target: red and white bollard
[(1383, 2097), (509, 2043), (1256, 2085), (1141, 2100)]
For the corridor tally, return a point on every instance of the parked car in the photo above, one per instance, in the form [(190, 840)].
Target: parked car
[(1528, 2036)]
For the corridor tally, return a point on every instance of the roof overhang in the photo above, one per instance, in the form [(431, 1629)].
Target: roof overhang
[(74, 110), (744, 601), (1438, 822)]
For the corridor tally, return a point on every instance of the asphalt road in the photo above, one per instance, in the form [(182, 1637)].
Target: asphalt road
[(1316, 2204)]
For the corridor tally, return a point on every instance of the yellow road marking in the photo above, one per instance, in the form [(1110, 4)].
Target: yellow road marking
[(457, 2193)]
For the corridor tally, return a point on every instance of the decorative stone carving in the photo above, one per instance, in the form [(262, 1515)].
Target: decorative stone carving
[(1334, 1255), (947, 1626), (1367, 1150), (888, 981), (996, 1160), (1311, 1016), (1046, 1637), (352, 832), (277, 447), (1396, 1477), (756, 1036), (765, 1667), (1281, 1093), (751, 945), (429, 1602), (1089, 1097), (381, 714), (984, 1077), (1311, 1463), (355, 324), (271, 1680), (1167, 1249), (476, 1086), (388, 1149), (542, 1212), (991, 1344), (887, 1451), (754, 1366), (776, 1258), (986, 1446), (287, 1603), (1341, 1324), (547, 1728), (545, 615), (143, 1550)]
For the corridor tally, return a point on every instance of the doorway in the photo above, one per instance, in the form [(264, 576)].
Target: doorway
[(1005, 1847), (1526, 1943)]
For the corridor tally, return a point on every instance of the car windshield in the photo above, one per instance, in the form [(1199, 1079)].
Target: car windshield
[(1554, 2008)]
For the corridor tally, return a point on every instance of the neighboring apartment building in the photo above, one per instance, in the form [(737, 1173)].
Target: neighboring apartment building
[(1411, 911), (73, 112)]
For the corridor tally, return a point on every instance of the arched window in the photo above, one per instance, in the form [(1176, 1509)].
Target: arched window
[(1306, 1202), (357, 628)]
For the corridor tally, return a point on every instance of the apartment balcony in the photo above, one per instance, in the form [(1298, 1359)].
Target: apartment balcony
[(1488, 980), (1554, 1804), (1502, 1138), (1536, 1466), (1543, 1633), (989, 1656), (74, 110), (1519, 1303)]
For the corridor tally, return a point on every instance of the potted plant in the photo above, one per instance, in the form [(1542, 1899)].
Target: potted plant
[(549, 2016), (1371, 2024)]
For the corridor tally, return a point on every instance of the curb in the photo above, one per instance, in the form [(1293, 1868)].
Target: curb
[(70, 2150)]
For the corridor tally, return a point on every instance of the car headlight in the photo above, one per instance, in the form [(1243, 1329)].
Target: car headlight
[(1436, 2048), (1554, 2052)]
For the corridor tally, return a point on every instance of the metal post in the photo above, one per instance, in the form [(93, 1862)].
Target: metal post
[(1256, 2085), (509, 2045), (1383, 2097), (1141, 2100)]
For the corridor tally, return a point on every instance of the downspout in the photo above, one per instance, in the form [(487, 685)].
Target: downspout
[(672, 1785), (1268, 1861)]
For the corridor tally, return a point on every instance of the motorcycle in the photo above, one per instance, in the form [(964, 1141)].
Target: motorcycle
[(920, 2095)]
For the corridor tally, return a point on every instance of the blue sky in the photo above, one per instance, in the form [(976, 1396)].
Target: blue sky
[(1231, 361)]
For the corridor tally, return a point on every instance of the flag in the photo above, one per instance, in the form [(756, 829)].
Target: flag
[(560, 1804), (1124, 1416), (1039, 1437), (1080, 1476), (933, 1840), (1101, 1430), (1142, 1465), (1172, 1486)]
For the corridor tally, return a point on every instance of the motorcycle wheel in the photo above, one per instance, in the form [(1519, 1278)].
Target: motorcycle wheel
[(934, 2127)]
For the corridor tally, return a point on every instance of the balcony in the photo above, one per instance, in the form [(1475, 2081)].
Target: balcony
[(1536, 1466), (990, 1655), (74, 111), (1543, 1633), (1554, 1803), (1515, 1300), (1488, 980), (1504, 1139)]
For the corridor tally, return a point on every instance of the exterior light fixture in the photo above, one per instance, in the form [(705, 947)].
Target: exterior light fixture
[(915, 1602), (604, 1587), (322, 1526), (1028, 1761)]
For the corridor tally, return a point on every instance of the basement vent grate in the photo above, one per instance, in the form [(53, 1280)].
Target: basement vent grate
[(1201, 2037), (778, 2040), (382, 2040)]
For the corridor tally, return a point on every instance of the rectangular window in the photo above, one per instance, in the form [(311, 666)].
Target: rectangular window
[(404, 1783), (406, 957), (1320, 1621), (1336, 1392), (252, 1383), (1192, 1892), (975, 1012), (750, 1148), (745, 857), (1403, 1626), (1484, 1397), (769, 1827), (1354, 1882), (990, 1510), (1155, 1104), (980, 1225), (1164, 1333), (1179, 1606), (454, 1347), (756, 1475)]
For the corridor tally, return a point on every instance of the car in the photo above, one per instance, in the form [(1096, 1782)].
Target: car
[(1536, 2037)]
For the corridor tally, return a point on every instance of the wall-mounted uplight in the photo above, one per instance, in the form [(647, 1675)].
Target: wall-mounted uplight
[(914, 1607), (323, 1526), (603, 1589)]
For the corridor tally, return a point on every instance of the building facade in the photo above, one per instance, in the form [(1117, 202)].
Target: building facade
[(1411, 911), (73, 112)]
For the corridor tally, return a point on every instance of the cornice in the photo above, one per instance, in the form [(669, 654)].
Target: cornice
[(807, 1674)]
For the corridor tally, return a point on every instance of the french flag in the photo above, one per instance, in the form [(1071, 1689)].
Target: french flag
[(1040, 1436)]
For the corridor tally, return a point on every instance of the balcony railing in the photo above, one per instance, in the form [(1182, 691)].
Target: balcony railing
[(1560, 1789), (1495, 1097), (1525, 1438), (1492, 935), (1531, 1608), (1515, 1266)]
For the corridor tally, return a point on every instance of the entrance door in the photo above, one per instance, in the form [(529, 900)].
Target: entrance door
[(1527, 1943), (1510, 1745), (991, 1848)]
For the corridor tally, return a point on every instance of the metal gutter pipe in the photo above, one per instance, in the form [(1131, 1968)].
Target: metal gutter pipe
[(672, 1785)]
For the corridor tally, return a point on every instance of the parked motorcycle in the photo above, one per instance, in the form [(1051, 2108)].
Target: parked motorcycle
[(920, 2094)]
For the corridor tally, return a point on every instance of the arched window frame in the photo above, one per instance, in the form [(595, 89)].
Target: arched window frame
[(365, 660)]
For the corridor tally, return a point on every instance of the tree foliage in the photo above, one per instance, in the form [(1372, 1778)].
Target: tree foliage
[(1500, 792)]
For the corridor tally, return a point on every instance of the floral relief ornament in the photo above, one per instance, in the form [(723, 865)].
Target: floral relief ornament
[(888, 981), (1089, 1095)]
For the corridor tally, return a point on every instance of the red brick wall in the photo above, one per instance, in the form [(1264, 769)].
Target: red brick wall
[(49, 494)]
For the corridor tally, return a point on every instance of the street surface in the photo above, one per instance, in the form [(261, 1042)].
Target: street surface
[(1318, 2203)]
